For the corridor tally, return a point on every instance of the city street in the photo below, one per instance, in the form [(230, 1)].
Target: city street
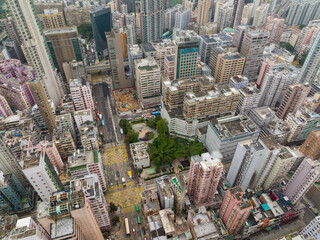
[(117, 165)]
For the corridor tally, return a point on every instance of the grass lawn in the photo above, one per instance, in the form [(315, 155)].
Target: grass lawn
[(175, 2)]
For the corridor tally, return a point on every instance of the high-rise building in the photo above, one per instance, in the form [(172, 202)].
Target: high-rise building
[(134, 52), (40, 172), (101, 21), (131, 6), (308, 34), (274, 28), (302, 180), (165, 193), (226, 15), (42, 102), (204, 176), (64, 143), (51, 19), (249, 99), (311, 231), (293, 99), (87, 162), (12, 34), (246, 13), (204, 12), (9, 163), (260, 15), (302, 11), (89, 184), (151, 16), (260, 164), (235, 210), (148, 82), (311, 146), (81, 94), (309, 70), (252, 47), (89, 136), (179, 189), (225, 63), (64, 122), (119, 79), (53, 154), (186, 56), (71, 216), (5, 110), (64, 45), (238, 6), (272, 85), (13, 84), (209, 42), (182, 18), (12, 193), (34, 46)]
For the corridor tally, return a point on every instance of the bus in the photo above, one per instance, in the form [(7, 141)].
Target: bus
[(139, 219), (126, 222), (137, 207)]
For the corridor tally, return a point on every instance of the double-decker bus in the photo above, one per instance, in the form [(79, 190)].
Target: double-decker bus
[(139, 219), (126, 223), (137, 207)]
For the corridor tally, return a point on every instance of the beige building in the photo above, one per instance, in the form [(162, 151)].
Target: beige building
[(148, 81), (218, 101), (204, 12), (51, 19), (225, 63), (42, 102), (116, 60)]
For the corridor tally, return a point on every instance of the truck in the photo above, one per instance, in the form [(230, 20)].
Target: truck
[(123, 180), (121, 131), (130, 175), (100, 116), (155, 113), (102, 121)]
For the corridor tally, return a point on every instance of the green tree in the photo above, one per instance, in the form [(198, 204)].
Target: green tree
[(288, 46), (85, 29), (113, 207), (303, 58), (132, 136), (162, 126), (163, 150), (302, 26), (115, 220), (152, 122), (151, 136), (125, 125), (194, 148)]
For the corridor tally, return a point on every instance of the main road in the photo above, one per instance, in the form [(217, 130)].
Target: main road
[(117, 165)]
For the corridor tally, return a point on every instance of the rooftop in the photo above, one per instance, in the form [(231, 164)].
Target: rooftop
[(81, 158), (62, 227), (234, 126), (208, 160), (147, 47)]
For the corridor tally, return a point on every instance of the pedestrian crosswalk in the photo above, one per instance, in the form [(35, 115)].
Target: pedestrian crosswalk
[(116, 154)]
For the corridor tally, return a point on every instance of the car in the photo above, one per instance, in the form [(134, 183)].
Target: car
[(118, 174), (144, 238), (143, 230), (133, 230)]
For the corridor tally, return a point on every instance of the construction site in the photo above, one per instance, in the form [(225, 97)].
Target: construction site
[(126, 100)]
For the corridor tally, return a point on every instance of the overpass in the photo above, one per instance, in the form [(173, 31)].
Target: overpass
[(102, 67)]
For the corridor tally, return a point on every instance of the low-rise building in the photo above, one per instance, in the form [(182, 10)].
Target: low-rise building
[(82, 163), (262, 116), (203, 225), (140, 155), (165, 193), (82, 116), (149, 200), (238, 82), (224, 133), (89, 136), (249, 98)]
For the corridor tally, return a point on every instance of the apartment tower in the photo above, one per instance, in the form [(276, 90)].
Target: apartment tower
[(302, 180), (311, 146), (34, 46), (204, 176), (119, 78), (274, 27), (42, 102), (186, 55), (148, 81), (204, 12), (151, 17), (293, 99), (235, 210)]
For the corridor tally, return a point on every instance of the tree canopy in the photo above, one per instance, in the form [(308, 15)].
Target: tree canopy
[(85, 29), (162, 126), (288, 46), (125, 125), (132, 136)]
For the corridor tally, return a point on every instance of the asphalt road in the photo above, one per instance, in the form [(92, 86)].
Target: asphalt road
[(106, 106)]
